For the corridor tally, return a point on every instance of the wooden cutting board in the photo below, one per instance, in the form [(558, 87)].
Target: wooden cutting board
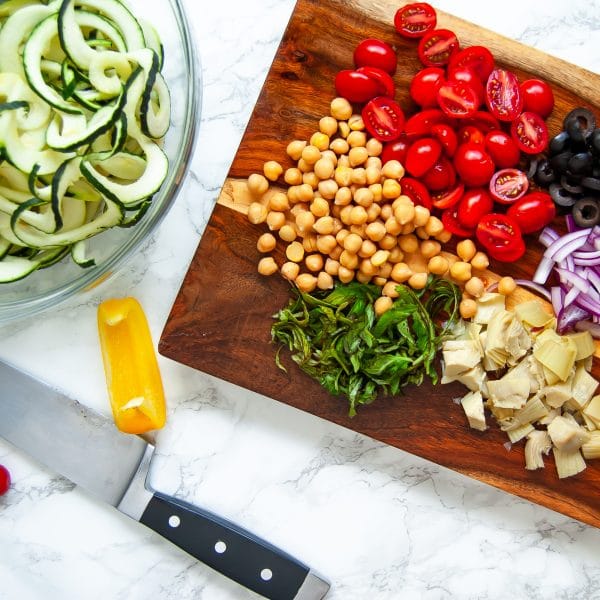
[(220, 321)]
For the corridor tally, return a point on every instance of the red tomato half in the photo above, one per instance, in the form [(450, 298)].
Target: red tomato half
[(375, 53), (503, 95), (475, 204), (477, 58), (446, 137), (415, 19), (473, 165), (425, 84), (383, 118), (355, 86), (395, 150), (4, 480), (533, 211), (468, 76), (537, 97), (470, 134), (449, 197), (441, 176), (457, 99), (436, 47), (416, 191), (452, 224), (502, 148), (382, 78), (422, 122), (422, 155), (501, 237), (530, 132), (508, 185), (483, 120)]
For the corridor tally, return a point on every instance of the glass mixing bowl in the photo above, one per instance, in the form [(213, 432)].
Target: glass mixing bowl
[(47, 287)]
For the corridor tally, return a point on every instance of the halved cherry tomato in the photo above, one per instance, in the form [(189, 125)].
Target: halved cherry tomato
[(533, 211), (446, 137), (452, 224), (437, 47), (355, 86), (383, 118), (483, 120), (503, 95), (538, 97), (478, 58), (457, 99), (395, 150), (473, 164), (449, 197), (4, 480), (530, 132), (501, 237), (416, 191), (474, 204), (508, 185), (422, 155), (502, 148), (421, 123), (382, 78), (468, 76), (441, 176), (375, 53), (415, 19), (470, 133), (425, 84)]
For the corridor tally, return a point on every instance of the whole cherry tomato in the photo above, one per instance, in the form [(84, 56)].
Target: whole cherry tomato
[(538, 97), (415, 19), (395, 150), (502, 148), (355, 86), (421, 123), (436, 47), (441, 176), (416, 191), (446, 137), (448, 198), (383, 118), (475, 203), (422, 155), (503, 95), (425, 84), (533, 211), (530, 132), (477, 58), (382, 78), (4, 480), (501, 237), (508, 185), (473, 164), (375, 53), (457, 99)]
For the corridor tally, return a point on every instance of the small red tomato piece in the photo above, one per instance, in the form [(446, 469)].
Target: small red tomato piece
[(474, 204), (395, 150), (502, 148), (530, 132), (473, 165), (421, 123), (538, 97), (501, 237), (448, 198), (355, 86), (4, 480), (503, 95), (483, 120), (441, 176), (446, 137), (470, 134), (425, 84), (422, 155), (415, 19), (452, 224), (383, 79), (375, 53), (416, 191), (457, 99), (468, 76), (533, 211), (383, 118), (437, 47), (477, 58), (508, 185)]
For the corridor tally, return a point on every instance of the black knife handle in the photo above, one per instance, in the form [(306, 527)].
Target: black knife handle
[(229, 549)]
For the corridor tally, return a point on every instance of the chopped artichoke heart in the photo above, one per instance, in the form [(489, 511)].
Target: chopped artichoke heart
[(472, 404), (474, 379), (584, 343), (592, 410), (591, 448), (544, 336), (459, 356), (552, 414), (566, 434), (518, 341), (488, 304), (584, 386), (533, 410), (538, 443), (508, 393), (516, 435), (591, 425), (557, 356), (568, 463), (533, 314), (557, 394)]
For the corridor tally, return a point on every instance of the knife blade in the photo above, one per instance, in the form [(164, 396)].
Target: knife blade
[(88, 449)]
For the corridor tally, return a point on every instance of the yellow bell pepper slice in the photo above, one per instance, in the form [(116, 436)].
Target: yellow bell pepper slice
[(132, 375)]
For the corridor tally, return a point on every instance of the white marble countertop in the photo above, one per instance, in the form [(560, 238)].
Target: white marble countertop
[(379, 523)]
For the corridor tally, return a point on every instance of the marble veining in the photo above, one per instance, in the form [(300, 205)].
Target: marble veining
[(379, 523)]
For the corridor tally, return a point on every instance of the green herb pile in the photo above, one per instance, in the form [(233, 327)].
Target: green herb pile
[(337, 338)]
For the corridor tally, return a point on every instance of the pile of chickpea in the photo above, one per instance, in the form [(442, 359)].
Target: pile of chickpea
[(344, 217)]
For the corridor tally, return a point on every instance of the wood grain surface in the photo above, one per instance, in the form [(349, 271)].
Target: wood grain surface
[(220, 321)]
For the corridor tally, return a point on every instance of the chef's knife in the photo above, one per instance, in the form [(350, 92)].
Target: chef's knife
[(90, 451)]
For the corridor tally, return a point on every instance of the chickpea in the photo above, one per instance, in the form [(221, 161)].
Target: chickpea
[(298, 208), (466, 249), (421, 216), (367, 267), (480, 261), (467, 308), (391, 189), (388, 242), (392, 226), (349, 260), (421, 233), (352, 243), (304, 167), (359, 230), (279, 202), (358, 215), (475, 287), (328, 126), (324, 281), (319, 207), (336, 253), (374, 147), (373, 161), (295, 252), (305, 221), (367, 249), (506, 286), (418, 281), (309, 242), (372, 174), (404, 213), (380, 257), (340, 109), (377, 190), (386, 211), (294, 149), (257, 213), (362, 278), (363, 197), (275, 220), (337, 224), (444, 237), (293, 176), (357, 138), (288, 233), (357, 155), (390, 289), (310, 179), (292, 194), (326, 243), (332, 267), (272, 170), (376, 231), (438, 265), (401, 272), (434, 226), (408, 243), (323, 225), (396, 255), (343, 175), (339, 146), (408, 228), (343, 196), (319, 140), (314, 262), (266, 242), (305, 192), (311, 154), (306, 282), (393, 170), (341, 235), (328, 188), (356, 123), (359, 176), (373, 212), (460, 271), (267, 266), (430, 248), (382, 305), (257, 184), (345, 275), (343, 129), (290, 270), (331, 155)]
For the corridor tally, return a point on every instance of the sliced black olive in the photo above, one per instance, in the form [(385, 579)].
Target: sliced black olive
[(581, 163), (561, 196), (591, 183), (559, 143), (586, 212), (560, 162), (545, 174), (571, 185), (532, 167), (579, 124), (594, 141)]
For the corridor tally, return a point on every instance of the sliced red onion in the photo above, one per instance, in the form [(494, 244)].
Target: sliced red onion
[(557, 297), (567, 244), (592, 327), (569, 316), (571, 278), (548, 236), (543, 270)]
